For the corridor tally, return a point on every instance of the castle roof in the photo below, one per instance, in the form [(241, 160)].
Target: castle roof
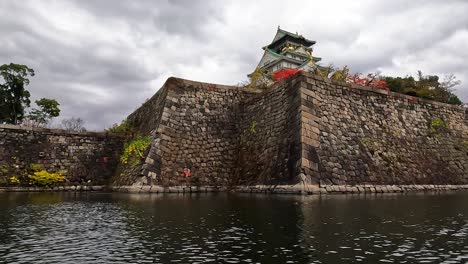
[(283, 36)]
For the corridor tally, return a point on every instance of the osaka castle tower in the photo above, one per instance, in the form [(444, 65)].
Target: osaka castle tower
[(288, 51)]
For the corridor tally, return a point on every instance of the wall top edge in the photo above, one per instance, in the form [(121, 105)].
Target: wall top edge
[(378, 91), (56, 131)]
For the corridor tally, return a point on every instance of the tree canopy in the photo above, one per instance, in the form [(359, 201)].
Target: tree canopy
[(48, 109), (426, 86), (14, 98)]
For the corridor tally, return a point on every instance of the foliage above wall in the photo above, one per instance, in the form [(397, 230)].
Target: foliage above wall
[(427, 87), (14, 98), (47, 109), (123, 129), (259, 79), (284, 74), (424, 86)]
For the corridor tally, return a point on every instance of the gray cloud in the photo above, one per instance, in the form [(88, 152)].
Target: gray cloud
[(102, 59)]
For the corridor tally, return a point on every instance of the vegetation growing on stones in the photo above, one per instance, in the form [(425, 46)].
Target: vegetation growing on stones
[(122, 129), (13, 180), (368, 141), (437, 126), (10, 174), (253, 127), (465, 143), (44, 178), (34, 175), (370, 144), (134, 150), (40, 177)]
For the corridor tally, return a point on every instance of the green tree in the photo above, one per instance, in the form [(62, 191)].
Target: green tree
[(48, 109), (399, 84), (427, 87), (14, 98)]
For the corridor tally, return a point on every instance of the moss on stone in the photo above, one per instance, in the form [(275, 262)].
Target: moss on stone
[(437, 126)]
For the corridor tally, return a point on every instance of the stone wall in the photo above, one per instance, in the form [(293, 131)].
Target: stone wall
[(147, 117), (270, 137), (303, 134), (81, 157), (195, 129), (306, 130), (356, 135)]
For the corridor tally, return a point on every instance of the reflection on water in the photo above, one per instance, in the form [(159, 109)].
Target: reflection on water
[(138, 228)]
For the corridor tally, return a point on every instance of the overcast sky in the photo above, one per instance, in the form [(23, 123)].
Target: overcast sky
[(102, 58)]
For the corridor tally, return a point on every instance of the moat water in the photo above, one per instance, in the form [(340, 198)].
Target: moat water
[(222, 228)]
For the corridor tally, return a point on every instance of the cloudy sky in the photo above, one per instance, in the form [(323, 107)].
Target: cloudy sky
[(102, 59)]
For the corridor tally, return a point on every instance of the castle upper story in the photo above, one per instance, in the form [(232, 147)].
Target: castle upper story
[(288, 51)]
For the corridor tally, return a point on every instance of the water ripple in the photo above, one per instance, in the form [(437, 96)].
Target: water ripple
[(105, 228)]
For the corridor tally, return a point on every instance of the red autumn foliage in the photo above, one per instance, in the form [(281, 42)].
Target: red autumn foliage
[(284, 74), (371, 80)]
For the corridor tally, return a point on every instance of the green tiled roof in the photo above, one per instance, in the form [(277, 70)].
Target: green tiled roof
[(272, 52), (289, 33), (285, 33)]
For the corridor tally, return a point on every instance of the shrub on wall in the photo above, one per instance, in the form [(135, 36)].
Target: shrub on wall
[(44, 178), (33, 175), (122, 129), (134, 150), (13, 180), (40, 177), (11, 174), (437, 126)]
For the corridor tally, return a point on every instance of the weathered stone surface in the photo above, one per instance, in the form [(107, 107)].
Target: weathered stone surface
[(303, 135), (382, 138), (85, 157), (331, 133)]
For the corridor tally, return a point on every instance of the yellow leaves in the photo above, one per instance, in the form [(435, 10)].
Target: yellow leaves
[(13, 180), (44, 178), (341, 75), (36, 167), (260, 78), (134, 150)]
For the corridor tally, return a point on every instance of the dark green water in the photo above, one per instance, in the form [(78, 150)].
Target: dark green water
[(126, 228)]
